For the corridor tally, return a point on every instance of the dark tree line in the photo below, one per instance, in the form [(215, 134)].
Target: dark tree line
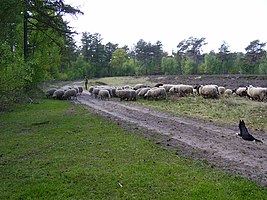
[(145, 58)]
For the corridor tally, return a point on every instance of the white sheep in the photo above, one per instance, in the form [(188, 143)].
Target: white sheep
[(167, 87), (138, 86), (241, 91), (142, 92), (126, 94), (257, 93), (104, 94), (182, 90), (209, 91), (69, 93), (221, 90), (156, 93), (95, 92), (228, 92), (138, 90), (126, 87)]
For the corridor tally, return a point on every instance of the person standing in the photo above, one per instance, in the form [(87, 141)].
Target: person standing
[(86, 82)]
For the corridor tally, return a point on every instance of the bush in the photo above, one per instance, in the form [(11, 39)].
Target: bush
[(17, 80)]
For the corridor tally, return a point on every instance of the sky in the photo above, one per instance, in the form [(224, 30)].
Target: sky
[(125, 22)]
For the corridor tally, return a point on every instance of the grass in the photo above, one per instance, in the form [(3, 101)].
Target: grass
[(123, 80), (58, 150), (224, 111)]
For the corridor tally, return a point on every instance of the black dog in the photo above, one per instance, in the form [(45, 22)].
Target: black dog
[(244, 132)]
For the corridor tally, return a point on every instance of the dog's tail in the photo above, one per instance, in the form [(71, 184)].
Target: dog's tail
[(256, 140)]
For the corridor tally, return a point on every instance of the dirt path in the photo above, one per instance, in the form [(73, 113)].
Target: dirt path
[(219, 146)]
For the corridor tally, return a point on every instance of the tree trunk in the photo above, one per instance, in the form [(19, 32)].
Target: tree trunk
[(25, 27)]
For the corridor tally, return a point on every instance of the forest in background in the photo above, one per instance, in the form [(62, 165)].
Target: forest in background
[(38, 45)]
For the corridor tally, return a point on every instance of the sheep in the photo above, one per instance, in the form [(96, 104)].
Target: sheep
[(167, 87), (50, 92), (126, 94), (104, 94), (95, 91), (228, 92), (113, 91), (138, 90), (58, 94), (90, 90), (142, 92), (69, 93), (195, 92), (138, 86), (156, 93), (257, 93), (209, 91), (196, 87), (66, 87), (241, 91), (127, 87), (80, 89), (221, 90), (76, 88), (158, 85), (182, 90)]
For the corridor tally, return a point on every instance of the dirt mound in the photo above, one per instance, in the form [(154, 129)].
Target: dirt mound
[(228, 81)]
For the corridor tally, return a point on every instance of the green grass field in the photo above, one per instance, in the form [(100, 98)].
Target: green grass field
[(58, 150)]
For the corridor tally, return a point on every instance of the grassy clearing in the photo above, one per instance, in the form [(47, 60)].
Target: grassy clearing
[(57, 150), (123, 80), (225, 111)]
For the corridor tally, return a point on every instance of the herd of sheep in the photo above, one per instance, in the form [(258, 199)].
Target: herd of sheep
[(159, 91), (64, 93)]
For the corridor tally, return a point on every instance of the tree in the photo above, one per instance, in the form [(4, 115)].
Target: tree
[(132, 67), (190, 66), (263, 65), (46, 14), (190, 50), (255, 52), (34, 32), (238, 62), (169, 65), (224, 57), (86, 46), (212, 64), (110, 48), (94, 51), (119, 57), (149, 55)]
